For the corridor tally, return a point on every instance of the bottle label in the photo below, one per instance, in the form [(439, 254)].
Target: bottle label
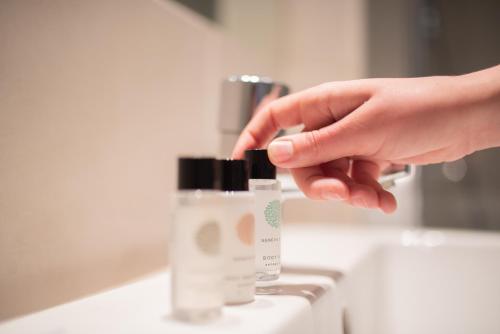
[(239, 250), (196, 259), (268, 232)]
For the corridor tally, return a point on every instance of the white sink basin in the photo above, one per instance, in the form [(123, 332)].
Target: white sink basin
[(426, 284)]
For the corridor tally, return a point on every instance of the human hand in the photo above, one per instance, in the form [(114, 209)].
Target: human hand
[(355, 129)]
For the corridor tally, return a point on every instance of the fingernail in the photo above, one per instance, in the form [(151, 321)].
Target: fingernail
[(330, 195), (280, 150)]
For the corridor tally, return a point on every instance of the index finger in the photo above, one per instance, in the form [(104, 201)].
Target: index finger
[(312, 107), (279, 114)]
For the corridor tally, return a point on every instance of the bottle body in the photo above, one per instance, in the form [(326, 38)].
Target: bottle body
[(267, 228), (239, 246), (196, 256)]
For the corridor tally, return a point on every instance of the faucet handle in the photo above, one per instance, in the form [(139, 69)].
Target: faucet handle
[(395, 173), (390, 179)]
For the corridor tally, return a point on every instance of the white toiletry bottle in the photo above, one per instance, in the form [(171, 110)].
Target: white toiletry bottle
[(196, 256), (267, 192), (238, 222)]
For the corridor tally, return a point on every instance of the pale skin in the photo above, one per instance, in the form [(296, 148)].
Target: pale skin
[(353, 130)]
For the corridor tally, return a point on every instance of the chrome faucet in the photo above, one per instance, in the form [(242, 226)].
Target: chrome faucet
[(242, 95), (241, 98)]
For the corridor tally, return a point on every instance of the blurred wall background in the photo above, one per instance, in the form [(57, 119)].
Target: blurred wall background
[(443, 37), (97, 99), (457, 37)]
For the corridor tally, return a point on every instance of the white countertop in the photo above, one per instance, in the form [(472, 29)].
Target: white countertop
[(314, 257)]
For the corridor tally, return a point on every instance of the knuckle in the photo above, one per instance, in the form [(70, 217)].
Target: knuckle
[(325, 96), (314, 140), (306, 187), (271, 110)]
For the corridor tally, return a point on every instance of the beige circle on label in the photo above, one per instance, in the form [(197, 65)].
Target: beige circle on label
[(245, 229), (208, 238)]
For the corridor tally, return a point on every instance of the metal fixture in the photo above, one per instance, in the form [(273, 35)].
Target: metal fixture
[(241, 97)]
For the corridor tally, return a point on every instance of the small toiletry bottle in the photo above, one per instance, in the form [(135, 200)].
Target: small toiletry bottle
[(237, 210), (196, 255), (267, 192)]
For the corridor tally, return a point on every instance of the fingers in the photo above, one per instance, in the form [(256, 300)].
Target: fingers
[(318, 156), (314, 108), (319, 183), (279, 114), (343, 138), (330, 181), (315, 185), (367, 173)]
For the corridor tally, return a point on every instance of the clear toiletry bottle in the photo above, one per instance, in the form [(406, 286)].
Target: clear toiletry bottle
[(196, 256), (267, 192), (237, 210)]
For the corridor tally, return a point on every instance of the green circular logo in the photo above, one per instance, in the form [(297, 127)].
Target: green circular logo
[(273, 213)]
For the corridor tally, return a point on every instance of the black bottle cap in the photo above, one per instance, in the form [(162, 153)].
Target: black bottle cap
[(259, 165), (195, 173), (232, 175)]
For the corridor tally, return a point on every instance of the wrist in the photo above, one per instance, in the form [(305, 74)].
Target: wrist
[(480, 102)]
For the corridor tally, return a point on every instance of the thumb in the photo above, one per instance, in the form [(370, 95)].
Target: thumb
[(313, 147)]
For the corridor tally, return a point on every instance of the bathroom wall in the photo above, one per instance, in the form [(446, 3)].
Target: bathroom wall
[(307, 42), (465, 193), (97, 98)]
